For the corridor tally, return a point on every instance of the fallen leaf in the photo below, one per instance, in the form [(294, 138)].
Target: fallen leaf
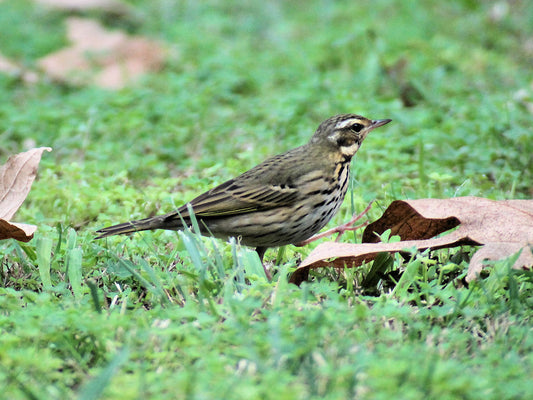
[(16, 178), (498, 251), (109, 59), (502, 227), (13, 230)]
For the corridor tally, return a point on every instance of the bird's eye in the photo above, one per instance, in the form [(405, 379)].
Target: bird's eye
[(356, 127)]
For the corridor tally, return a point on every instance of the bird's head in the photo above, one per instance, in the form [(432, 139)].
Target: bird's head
[(345, 133)]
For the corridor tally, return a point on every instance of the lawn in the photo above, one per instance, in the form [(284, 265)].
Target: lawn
[(168, 315)]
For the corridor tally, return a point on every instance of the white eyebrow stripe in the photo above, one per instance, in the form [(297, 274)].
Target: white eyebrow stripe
[(346, 123)]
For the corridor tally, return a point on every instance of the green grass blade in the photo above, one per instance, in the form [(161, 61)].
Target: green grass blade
[(155, 281), (75, 271), (94, 388), (157, 291), (407, 278), (44, 250), (94, 295)]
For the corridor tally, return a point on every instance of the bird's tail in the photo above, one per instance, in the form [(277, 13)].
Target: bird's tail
[(134, 226)]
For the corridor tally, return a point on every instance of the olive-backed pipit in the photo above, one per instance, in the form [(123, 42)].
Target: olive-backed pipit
[(284, 200)]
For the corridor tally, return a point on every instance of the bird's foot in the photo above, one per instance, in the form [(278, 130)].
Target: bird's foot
[(261, 253), (267, 273), (348, 226)]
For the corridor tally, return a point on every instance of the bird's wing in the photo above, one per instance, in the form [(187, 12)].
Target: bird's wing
[(266, 186), (237, 197)]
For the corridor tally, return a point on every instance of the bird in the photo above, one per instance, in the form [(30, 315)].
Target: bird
[(284, 200)]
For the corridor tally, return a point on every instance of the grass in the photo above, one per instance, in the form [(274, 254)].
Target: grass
[(172, 315)]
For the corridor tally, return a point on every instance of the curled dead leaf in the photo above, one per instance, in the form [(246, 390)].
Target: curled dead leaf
[(497, 251), (16, 177), (503, 227), (13, 230)]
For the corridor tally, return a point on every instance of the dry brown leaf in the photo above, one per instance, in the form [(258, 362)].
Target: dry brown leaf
[(110, 59), (503, 227), (497, 251), (111, 6), (14, 230), (16, 178)]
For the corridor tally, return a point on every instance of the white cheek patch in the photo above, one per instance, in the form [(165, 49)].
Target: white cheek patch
[(349, 150)]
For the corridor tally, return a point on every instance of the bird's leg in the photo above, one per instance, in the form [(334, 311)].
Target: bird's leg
[(261, 253), (348, 226)]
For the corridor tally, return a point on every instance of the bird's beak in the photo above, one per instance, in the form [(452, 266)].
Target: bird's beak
[(379, 122)]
